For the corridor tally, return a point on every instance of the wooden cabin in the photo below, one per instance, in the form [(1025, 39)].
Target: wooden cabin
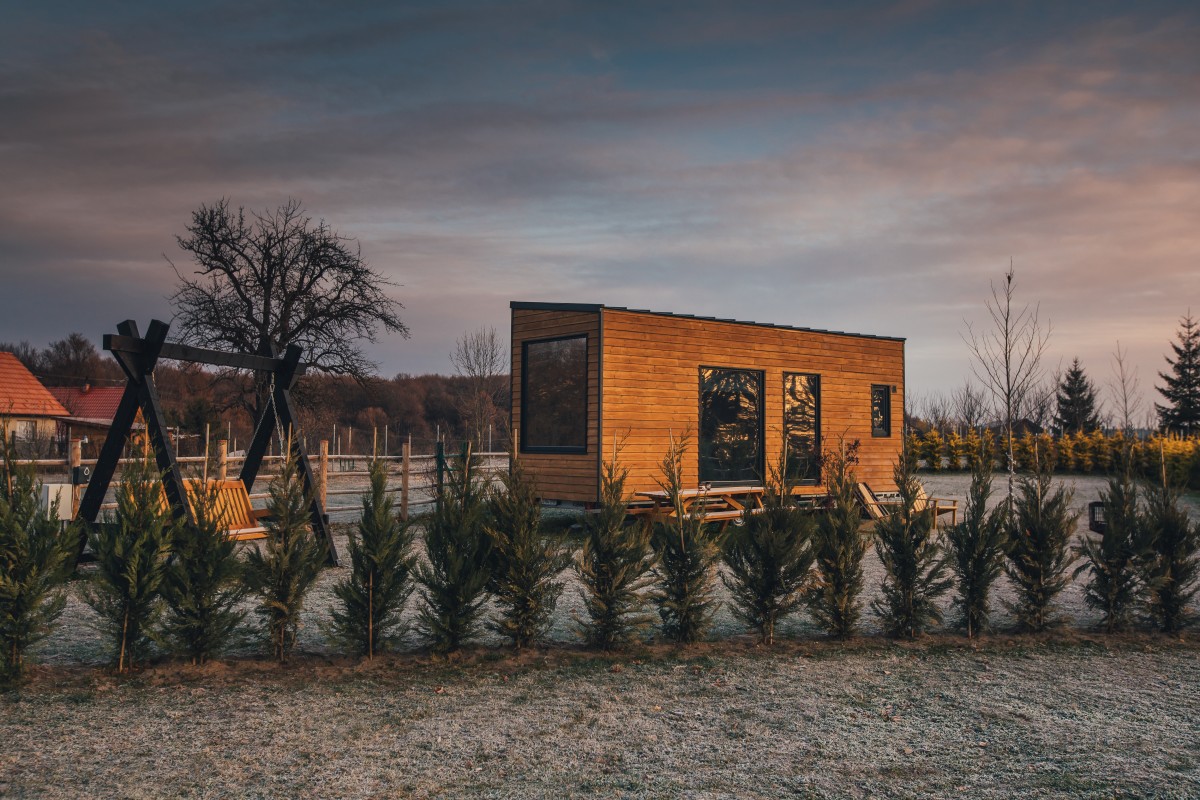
[(589, 379)]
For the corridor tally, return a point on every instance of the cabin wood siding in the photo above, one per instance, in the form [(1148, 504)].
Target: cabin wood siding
[(651, 387), (561, 476)]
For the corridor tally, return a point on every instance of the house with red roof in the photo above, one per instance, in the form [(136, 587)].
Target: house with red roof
[(29, 413)]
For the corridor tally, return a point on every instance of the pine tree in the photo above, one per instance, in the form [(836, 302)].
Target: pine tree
[(769, 558), (131, 563), (1181, 388), (688, 552), (35, 558), (203, 585), (906, 542), (1171, 567), (454, 581), (281, 573), (930, 448), (1039, 553), (1111, 558), (838, 549), (1076, 400), (613, 566), (371, 598), (954, 451), (977, 547), (525, 561)]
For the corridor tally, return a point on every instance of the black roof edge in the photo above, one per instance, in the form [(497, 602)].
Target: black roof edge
[(595, 307)]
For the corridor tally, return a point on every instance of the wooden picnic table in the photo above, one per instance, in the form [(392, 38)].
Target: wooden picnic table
[(716, 503)]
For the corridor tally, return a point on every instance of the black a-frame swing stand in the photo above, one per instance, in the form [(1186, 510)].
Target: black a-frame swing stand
[(137, 357)]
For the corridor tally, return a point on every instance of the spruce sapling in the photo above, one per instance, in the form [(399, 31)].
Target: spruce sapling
[(35, 556), (907, 544), (203, 583), (525, 561), (687, 551), (1171, 567), (613, 567), (838, 548), (454, 581), (281, 572), (1039, 552), (131, 562), (372, 597), (977, 547), (770, 557)]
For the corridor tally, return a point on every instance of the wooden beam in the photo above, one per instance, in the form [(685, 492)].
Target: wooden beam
[(118, 345)]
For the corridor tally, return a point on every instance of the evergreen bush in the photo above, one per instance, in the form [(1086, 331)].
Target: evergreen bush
[(1111, 559), (977, 547), (1039, 552), (838, 548), (1171, 567)]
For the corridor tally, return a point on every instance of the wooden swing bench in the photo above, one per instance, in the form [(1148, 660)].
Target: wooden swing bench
[(234, 513)]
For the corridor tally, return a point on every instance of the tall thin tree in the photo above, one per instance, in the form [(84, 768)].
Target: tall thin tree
[(977, 547), (1181, 386)]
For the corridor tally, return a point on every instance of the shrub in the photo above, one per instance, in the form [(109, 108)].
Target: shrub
[(769, 558), (613, 566), (131, 552), (838, 549), (931, 450), (954, 451), (525, 561), (35, 556), (454, 581), (977, 547), (914, 565), (1110, 559), (282, 571), (1171, 567), (974, 449), (371, 598), (687, 553), (1039, 548), (203, 584)]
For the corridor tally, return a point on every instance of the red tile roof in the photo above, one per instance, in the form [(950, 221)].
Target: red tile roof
[(21, 395), (95, 403)]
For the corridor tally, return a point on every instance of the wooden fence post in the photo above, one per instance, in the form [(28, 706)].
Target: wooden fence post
[(222, 459), (76, 461), (406, 455), (323, 472)]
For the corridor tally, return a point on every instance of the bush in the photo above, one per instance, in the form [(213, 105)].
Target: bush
[(1171, 567), (203, 584), (613, 566), (688, 552), (931, 450), (454, 581), (131, 553), (769, 558), (289, 561), (954, 451), (371, 598), (914, 565), (838, 549), (1039, 548), (525, 561), (977, 548), (36, 554), (1110, 559)]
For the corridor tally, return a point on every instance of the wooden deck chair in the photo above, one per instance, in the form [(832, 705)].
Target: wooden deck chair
[(940, 505), (870, 502)]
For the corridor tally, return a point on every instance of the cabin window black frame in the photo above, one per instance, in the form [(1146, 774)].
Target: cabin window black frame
[(580, 435), (750, 472), (809, 473), (881, 410)]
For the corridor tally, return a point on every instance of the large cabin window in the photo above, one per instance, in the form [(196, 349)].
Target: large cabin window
[(802, 426), (731, 426), (881, 410), (554, 404)]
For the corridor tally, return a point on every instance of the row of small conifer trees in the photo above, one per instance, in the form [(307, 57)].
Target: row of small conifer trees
[(182, 584)]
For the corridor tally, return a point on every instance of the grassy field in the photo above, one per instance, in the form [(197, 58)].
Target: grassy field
[(1074, 714)]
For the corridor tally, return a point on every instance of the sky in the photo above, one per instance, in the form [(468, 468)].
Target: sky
[(866, 167)]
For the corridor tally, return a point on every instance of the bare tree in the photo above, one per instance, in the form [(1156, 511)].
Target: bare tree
[(1007, 357), (277, 278), (937, 410), (1125, 389), (480, 357), (970, 406)]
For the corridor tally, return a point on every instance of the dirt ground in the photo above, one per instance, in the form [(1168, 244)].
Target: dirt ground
[(1075, 714)]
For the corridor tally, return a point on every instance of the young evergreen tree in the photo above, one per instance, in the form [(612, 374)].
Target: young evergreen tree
[(1039, 552), (525, 561), (1171, 567), (838, 549), (1076, 401), (613, 567), (977, 547), (371, 598), (454, 581), (283, 570), (688, 551), (1111, 559), (203, 585), (131, 563), (770, 558), (1181, 386), (35, 556), (914, 564)]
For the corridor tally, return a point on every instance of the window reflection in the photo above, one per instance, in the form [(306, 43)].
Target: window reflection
[(881, 411), (802, 426), (730, 440), (554, 395)]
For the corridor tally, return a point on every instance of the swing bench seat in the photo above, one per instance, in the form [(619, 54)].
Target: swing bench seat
[(233, 512)]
